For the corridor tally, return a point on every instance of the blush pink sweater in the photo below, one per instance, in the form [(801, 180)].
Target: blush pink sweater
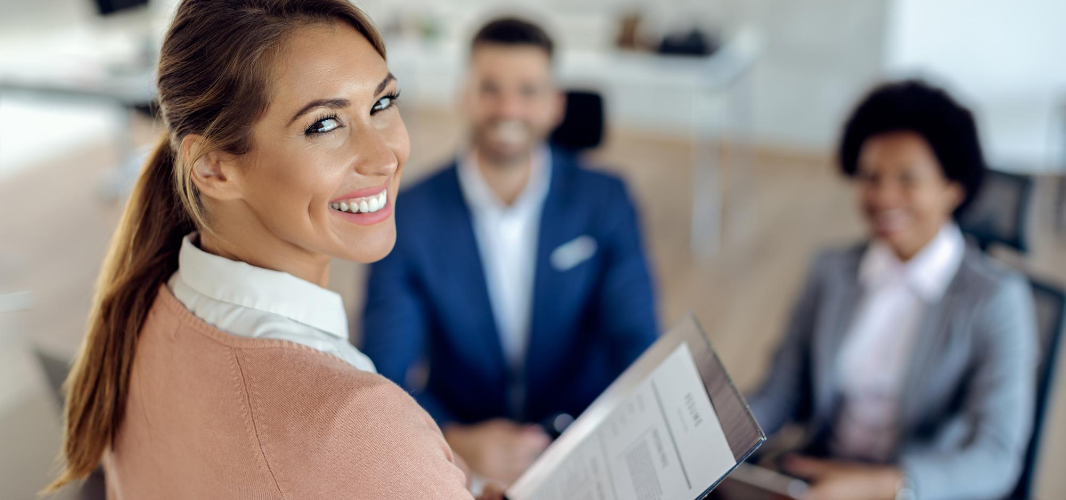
[(215, 416)]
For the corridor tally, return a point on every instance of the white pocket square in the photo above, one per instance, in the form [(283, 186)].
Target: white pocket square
[(570, 254)]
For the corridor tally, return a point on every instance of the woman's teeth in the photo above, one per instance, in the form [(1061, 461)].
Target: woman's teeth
[(364, 205)]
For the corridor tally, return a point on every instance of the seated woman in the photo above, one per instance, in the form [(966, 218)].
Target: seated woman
[(217, 364), (909, 359)]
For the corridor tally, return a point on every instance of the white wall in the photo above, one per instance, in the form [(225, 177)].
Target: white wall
[(1004, 57), (818, 57)]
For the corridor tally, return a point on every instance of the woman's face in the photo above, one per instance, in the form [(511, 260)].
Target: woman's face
[(326, 158), (903, 192)]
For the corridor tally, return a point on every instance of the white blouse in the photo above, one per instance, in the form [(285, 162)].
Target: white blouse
[(874, 358), (250, 301)]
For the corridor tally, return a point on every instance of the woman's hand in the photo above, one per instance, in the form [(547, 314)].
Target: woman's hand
[(498, 450), (462, 465), (491, 492), (835, 480)]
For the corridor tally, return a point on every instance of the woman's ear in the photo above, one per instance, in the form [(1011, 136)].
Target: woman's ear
[(955, 196), (215, 174)]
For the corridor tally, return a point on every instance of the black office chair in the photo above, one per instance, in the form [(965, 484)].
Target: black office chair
[(56, 369), (1051, 321), (583, 124), (1000, 211), (1060, 204)]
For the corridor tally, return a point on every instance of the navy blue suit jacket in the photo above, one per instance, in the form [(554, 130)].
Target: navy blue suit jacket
[(428, 302)]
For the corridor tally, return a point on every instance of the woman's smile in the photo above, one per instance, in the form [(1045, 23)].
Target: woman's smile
[(359, 208)]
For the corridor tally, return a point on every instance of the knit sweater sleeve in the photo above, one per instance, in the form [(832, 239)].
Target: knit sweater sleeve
[(342, 433)]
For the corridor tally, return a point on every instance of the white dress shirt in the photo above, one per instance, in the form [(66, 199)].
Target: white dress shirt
[(250, 301), (873, 360), (507, 241)]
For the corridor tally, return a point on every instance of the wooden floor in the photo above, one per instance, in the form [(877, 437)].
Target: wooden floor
[(54, 230)]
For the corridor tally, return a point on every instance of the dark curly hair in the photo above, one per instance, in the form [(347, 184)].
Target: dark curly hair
[(916, 106)]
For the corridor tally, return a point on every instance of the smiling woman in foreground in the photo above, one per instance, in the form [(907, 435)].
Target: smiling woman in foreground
[(216, 363)]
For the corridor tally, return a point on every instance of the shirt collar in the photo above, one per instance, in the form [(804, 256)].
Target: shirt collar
[(262, 289), (928, 273), (480, 196)]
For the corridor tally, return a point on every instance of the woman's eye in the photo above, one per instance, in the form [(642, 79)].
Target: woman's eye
[(384, 103), (909, 179), (324, 125)]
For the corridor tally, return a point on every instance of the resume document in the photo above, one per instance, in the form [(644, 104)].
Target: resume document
[(653, 435)]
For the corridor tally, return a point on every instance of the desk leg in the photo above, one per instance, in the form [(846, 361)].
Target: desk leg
[(705, 239)]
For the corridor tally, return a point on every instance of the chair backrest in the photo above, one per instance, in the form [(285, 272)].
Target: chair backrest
[(1050, 304), (583, 124), (1000, 211), (56, 370)]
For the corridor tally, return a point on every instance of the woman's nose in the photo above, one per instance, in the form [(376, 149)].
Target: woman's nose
[(884, 194), (373, 155)]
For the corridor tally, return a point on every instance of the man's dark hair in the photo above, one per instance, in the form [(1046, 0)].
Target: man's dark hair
[(514, 32), (915, 106)]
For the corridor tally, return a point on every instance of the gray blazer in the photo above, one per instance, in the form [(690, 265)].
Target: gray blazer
[(968, 401)]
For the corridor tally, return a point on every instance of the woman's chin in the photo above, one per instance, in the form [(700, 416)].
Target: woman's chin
[(369, 248), (887, 235), (891, 237), (901, 243)]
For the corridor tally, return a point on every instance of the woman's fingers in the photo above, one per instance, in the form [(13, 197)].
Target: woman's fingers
[(804, 467), (491, 492)]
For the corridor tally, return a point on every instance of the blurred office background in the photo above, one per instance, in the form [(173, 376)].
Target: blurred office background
[(729, 154)]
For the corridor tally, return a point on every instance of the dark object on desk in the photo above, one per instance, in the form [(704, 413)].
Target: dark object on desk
[(106, 7), (1050, 304), (691, 43), (111, 6), (583, 123), (999, 213)]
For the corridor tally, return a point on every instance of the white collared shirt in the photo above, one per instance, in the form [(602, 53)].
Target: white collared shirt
[(507, 241), (250, 301), (874, 358)]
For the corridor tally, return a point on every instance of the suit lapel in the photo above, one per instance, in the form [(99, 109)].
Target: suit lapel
[(928, 346), (547, 285), (842, 304)]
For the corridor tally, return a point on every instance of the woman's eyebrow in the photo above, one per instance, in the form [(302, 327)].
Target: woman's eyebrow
[(321, 103), (337, 103), (384, 83)]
